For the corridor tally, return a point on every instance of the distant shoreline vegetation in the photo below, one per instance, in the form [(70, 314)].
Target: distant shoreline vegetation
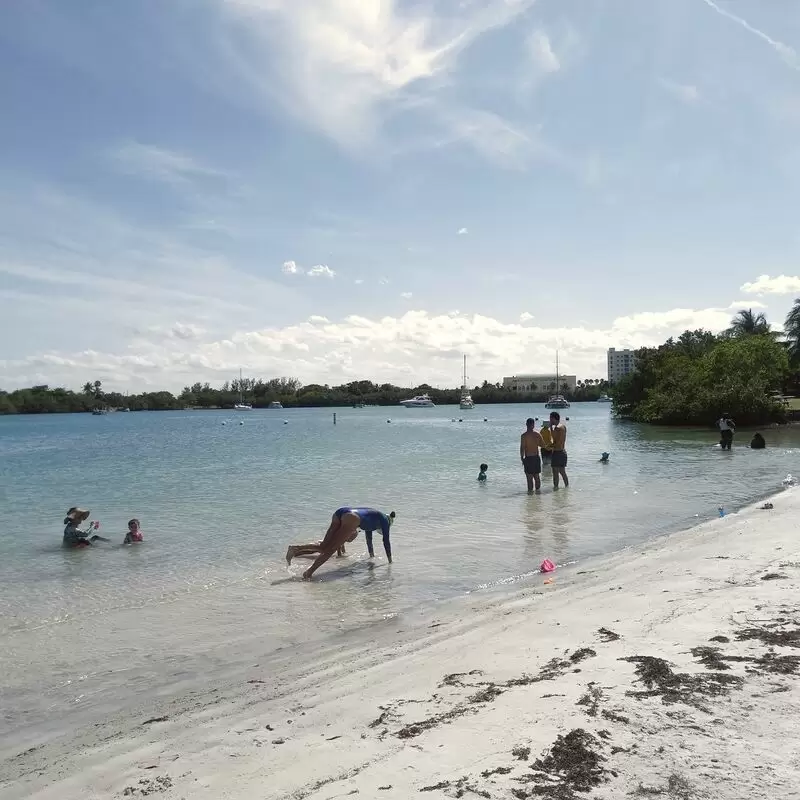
[(260, 393), (745, 372)]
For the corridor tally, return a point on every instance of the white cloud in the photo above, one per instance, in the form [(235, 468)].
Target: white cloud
[(406, 295), (686, 93), (322, 271), (358, 281), (290, 268), (541, 51), (161, 164), (350, 69), (413, 347), (738, 305), (764, 284), (525, 316), (462, 231), (383, 281)]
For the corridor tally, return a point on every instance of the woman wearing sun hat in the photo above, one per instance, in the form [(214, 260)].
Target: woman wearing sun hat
[(73, 535)]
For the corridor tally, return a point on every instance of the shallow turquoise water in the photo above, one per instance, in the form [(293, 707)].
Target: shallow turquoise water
[(219, 504)]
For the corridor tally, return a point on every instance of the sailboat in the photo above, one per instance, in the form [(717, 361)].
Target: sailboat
[(557, 400), (466, 402), (241, 405)]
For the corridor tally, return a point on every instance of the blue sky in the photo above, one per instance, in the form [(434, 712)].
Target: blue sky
[(341, 189)]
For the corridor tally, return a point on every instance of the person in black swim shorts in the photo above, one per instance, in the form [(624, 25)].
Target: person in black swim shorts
[(529, 444), (558, 461)]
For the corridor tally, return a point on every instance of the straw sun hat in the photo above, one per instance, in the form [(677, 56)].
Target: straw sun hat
[(77, 514)]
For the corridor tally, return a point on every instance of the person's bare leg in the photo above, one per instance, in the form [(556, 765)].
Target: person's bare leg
[(296, 550), (537, 481), (563, 471), (555, 477), (309, 549), (529, 478), (346, 532)]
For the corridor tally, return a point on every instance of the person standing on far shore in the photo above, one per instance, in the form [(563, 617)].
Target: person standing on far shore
[(558, 461), (529, 444), (727, 427)]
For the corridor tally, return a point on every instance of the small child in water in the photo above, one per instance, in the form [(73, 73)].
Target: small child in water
[(134, 533), (482, 473)]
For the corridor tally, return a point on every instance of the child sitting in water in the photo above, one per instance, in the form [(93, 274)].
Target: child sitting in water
[(482, 473), (134, 533)]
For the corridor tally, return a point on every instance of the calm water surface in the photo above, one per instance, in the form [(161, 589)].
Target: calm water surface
[(220, 502)]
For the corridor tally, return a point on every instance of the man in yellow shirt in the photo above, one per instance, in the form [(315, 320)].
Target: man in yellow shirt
[(547, 438)]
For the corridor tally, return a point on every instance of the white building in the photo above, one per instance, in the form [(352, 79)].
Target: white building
[(539, 383), (620, 363)]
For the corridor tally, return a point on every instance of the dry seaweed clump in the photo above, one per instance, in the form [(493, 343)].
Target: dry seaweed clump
[(785, 638), (574, 764), (672, 687)]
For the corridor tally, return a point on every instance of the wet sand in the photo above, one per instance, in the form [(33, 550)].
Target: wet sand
[(670, 670)]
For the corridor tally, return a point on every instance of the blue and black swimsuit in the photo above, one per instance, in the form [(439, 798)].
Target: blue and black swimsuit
[(371, 521)]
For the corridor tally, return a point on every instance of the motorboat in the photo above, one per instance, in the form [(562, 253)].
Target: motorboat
[(417, 402), (466, 402), (275, 404), (604, 398)]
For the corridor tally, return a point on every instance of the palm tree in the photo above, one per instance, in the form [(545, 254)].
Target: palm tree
[(746, 323), (792, 329)]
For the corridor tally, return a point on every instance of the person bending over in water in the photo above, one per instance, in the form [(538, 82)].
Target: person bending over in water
[(344, 528), (73, 535), (134, 533), (558, 460), (529, 444), (758, 442), (482, 473)]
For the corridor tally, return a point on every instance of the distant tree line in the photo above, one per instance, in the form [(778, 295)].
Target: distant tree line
[(260, 393), (695, 378)]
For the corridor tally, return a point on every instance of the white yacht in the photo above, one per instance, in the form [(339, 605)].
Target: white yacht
[(418, 401), (275, 404), (604, 398), (466, 403), (241, 405)]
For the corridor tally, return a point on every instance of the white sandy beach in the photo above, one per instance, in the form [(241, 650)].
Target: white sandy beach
[(389, 716)]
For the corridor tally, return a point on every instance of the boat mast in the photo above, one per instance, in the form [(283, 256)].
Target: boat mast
[(464, 382), (241, 393), (558, 388)]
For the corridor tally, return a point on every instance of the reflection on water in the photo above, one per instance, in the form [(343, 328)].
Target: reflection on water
[(219, 504)]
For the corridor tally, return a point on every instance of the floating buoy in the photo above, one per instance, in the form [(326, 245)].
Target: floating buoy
[(224, 423), (286, 422), (388, 420), (485, 420), (241, 423)]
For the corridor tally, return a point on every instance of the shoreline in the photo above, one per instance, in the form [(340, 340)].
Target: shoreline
[(377, 710)]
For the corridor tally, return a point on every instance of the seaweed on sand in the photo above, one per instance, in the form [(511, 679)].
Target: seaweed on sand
[(672, 687), (574, 764)]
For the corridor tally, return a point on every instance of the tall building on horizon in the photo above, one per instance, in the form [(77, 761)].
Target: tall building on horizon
[(620, 363)]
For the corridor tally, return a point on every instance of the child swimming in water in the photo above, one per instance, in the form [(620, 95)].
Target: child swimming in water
[(482, 473), (134, 533)]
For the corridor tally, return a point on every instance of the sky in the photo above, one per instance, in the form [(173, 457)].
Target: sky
[(336, 190)]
